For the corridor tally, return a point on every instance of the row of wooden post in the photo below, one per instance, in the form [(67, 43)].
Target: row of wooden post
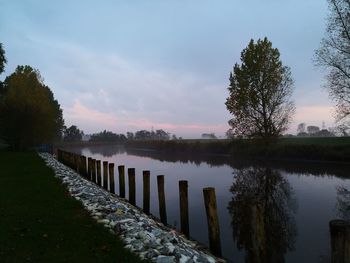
[(90, 169)]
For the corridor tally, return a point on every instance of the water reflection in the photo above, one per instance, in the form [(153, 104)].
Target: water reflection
[(263, 211), (343, 202)]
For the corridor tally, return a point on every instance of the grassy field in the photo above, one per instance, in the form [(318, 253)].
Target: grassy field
[(39, 222), (319, 149)]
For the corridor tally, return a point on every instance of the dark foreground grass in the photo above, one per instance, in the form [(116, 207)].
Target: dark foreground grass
[(39, 222)]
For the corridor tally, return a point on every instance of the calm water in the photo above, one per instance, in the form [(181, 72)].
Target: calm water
[(293, 203)]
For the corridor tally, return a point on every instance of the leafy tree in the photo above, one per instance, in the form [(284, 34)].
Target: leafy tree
[(108, 136), (143, 135), (334, 54), (152, 135), (2, 59), (260, 90), (130, 135), (161, 135), (312, 129), (209, 136), (301, 127), (72, 134), (29, 114)]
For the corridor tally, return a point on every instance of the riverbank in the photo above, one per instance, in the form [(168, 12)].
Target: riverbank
[(310, 149), (140, 233), (40, 222)]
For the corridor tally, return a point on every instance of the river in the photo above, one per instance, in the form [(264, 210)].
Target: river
[(293, 202)]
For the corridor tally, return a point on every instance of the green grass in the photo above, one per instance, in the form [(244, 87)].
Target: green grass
[(40, 222), (315, 149)]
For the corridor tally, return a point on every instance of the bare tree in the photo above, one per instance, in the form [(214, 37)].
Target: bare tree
[(334, 55)]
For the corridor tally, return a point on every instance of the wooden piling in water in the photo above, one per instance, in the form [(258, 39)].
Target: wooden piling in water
[(184, 216), (161, 198), (93, 170), (213, 222), (146, 192), (98, 172), (105, 175), (76, 162), (121, 172), (83, 166), (111, 178), (89, 168), (340, 241), (132, 186)]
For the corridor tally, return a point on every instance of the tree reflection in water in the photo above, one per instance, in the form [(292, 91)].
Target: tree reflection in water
[(343, 203), (262, 209)]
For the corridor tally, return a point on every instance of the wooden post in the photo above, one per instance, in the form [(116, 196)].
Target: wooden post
[(111, 178), (98, 172), (161, 198), (121, 171), (93, 170), (76, 162), (183, 190), (212, 218), (89, 168), (340, 241), (83, 166), (146, 191), (105, 175), (132, 186)]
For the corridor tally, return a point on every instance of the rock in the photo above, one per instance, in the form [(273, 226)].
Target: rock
[(148, 238), (165, 259)]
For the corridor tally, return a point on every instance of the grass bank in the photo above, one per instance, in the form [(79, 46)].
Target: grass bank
[(40, 222), (315, 149)]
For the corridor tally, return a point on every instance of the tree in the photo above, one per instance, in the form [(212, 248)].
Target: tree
[(29, 114), (301, 127), (334, 55), (2, 59), (108, 136), (260, 90), (130, 135), (72, 134), (209, 136), (312, 129)]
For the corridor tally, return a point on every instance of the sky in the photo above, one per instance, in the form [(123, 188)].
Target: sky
[(162, 64)]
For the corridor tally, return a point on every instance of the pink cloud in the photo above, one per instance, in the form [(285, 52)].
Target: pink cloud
[(91, 120)]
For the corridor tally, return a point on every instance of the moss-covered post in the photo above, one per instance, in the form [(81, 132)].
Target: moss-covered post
[(161, 198), (213, 222), (121, 172), (184, 218), (111, 178), (146, 191)]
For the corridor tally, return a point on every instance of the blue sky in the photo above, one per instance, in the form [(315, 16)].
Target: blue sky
[(130, 65)]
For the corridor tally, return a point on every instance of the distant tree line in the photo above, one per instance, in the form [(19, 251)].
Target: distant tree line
[(149, 135), (108, 136), (74, 134)]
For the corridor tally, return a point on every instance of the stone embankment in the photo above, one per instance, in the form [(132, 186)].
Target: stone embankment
[(141, 234)]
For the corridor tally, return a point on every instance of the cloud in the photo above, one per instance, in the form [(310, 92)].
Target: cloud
[(91, 120)]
